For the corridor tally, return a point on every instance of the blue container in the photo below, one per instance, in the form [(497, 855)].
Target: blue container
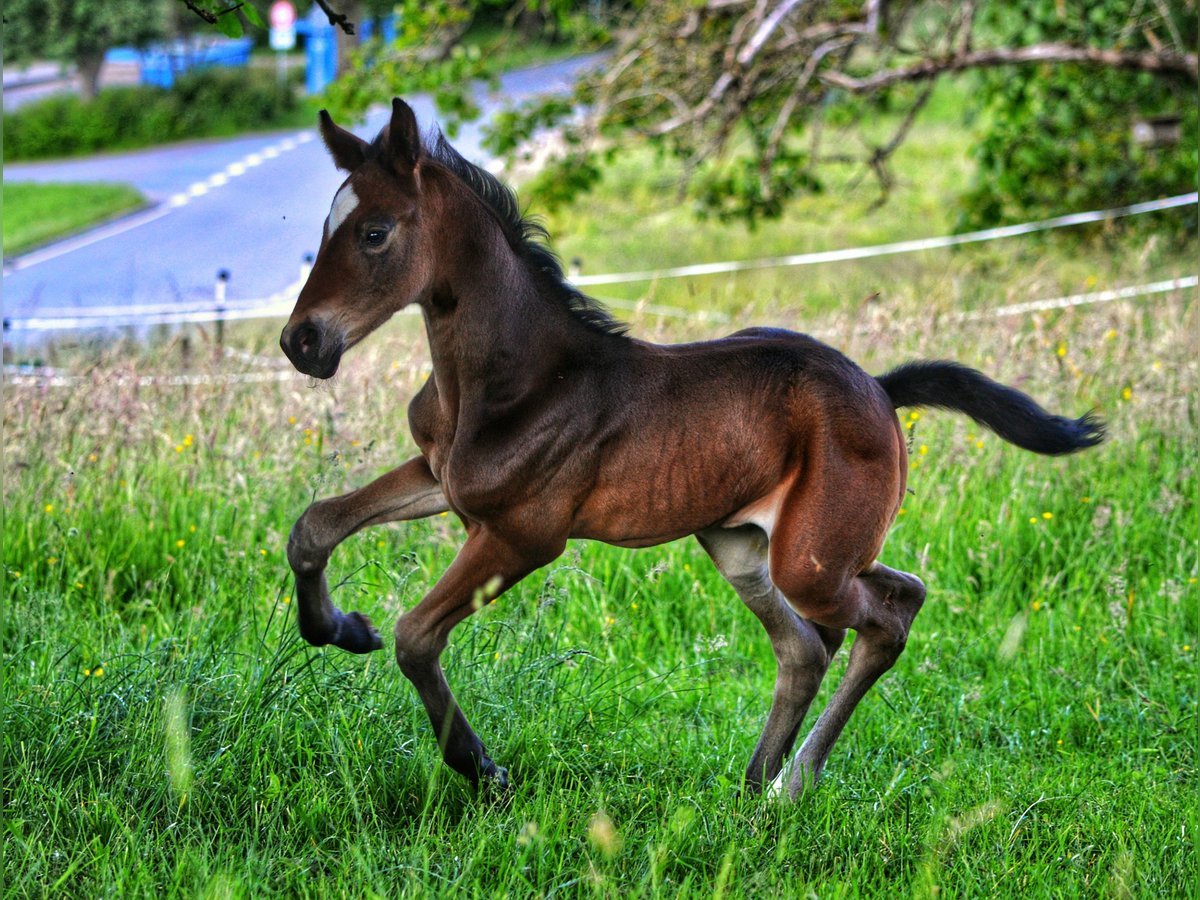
[(320, 50), (163, 63)]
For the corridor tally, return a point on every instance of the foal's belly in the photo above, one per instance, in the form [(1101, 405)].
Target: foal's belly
[(657, 491)]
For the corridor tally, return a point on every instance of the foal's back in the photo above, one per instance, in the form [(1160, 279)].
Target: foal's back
[(713, 433)]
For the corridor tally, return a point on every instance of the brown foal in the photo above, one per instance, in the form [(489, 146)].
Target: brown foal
[(543, 421)]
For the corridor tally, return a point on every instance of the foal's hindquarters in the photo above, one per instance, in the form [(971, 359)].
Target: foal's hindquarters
[(803, 559)]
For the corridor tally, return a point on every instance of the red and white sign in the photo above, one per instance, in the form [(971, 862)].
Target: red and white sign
[(283, 25)]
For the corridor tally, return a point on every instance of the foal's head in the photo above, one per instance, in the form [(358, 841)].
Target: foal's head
[(376, 251)]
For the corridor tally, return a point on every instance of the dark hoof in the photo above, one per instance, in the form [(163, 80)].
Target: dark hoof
[(494, 779), (356, 634)]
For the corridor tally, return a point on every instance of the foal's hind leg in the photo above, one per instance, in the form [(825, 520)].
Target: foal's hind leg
[(888, 601), (880, 605), (408, 492), (802, 649)]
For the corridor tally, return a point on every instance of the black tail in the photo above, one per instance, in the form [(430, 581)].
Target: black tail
[(1006, 411)]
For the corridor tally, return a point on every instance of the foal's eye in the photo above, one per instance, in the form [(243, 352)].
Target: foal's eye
[(374, 237)]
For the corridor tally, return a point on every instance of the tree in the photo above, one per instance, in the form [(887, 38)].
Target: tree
[(772, 80), (1059, 83), (79, 31)]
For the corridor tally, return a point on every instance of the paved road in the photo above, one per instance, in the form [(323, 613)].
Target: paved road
[(252, 205)]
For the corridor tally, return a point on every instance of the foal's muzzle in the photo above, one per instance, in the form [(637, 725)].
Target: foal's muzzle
[(312, 348)]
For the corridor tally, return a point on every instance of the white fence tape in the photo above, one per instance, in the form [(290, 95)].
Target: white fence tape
[(18, 376), (1125, 293), (932, 243), (1032, 306), (279, 304), (50, 378)]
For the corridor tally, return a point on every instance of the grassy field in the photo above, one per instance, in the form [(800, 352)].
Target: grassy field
[(165, 731), (37, 213)]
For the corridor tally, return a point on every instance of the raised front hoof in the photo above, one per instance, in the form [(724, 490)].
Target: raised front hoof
[(356, 634)]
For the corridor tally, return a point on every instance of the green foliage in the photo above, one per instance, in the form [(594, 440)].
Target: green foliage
[(71, 29), (35, 213), (203, 103), (753, 136), (447, 47), (1054, 138)]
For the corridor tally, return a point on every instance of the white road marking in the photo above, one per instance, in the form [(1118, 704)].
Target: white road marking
[(61, 248), (174, 202)]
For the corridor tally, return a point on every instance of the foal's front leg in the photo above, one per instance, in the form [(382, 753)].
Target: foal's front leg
[(408, 492), (485, 567)]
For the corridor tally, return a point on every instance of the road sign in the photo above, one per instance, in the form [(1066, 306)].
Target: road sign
[(283, 25)]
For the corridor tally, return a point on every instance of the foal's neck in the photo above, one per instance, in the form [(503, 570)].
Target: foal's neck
[(491, 318)]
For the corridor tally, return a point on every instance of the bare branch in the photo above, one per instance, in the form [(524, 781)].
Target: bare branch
[(336, 19), (202, 13), (788, 109), (1163, 62), (765, 30)]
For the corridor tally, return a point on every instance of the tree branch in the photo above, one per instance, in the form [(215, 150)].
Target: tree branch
[(336, 19), (1145, 61)]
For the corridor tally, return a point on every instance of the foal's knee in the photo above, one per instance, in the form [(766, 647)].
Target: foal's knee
[(306, 551), (416, 648)]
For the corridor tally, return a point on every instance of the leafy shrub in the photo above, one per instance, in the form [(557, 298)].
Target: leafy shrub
[(1060, 137), (204, 103)]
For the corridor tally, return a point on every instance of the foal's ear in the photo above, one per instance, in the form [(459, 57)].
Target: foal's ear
[(347, 149), (404, 140)]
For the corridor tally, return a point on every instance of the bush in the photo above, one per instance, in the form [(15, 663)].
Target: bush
[(205, 103)]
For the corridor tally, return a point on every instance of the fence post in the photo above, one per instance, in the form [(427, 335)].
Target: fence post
[(219, 290)]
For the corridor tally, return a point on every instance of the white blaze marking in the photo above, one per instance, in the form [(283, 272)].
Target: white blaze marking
[(344, 203)]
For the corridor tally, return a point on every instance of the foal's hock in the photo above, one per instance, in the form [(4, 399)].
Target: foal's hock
[(544, 421)]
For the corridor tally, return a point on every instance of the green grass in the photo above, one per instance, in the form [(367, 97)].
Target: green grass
[(36, 214), (164, 731), (636, 220)]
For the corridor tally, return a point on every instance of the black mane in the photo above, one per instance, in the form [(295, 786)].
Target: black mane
[(526, 236)]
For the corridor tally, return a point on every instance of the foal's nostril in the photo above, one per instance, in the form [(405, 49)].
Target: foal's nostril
[(306, 342)]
